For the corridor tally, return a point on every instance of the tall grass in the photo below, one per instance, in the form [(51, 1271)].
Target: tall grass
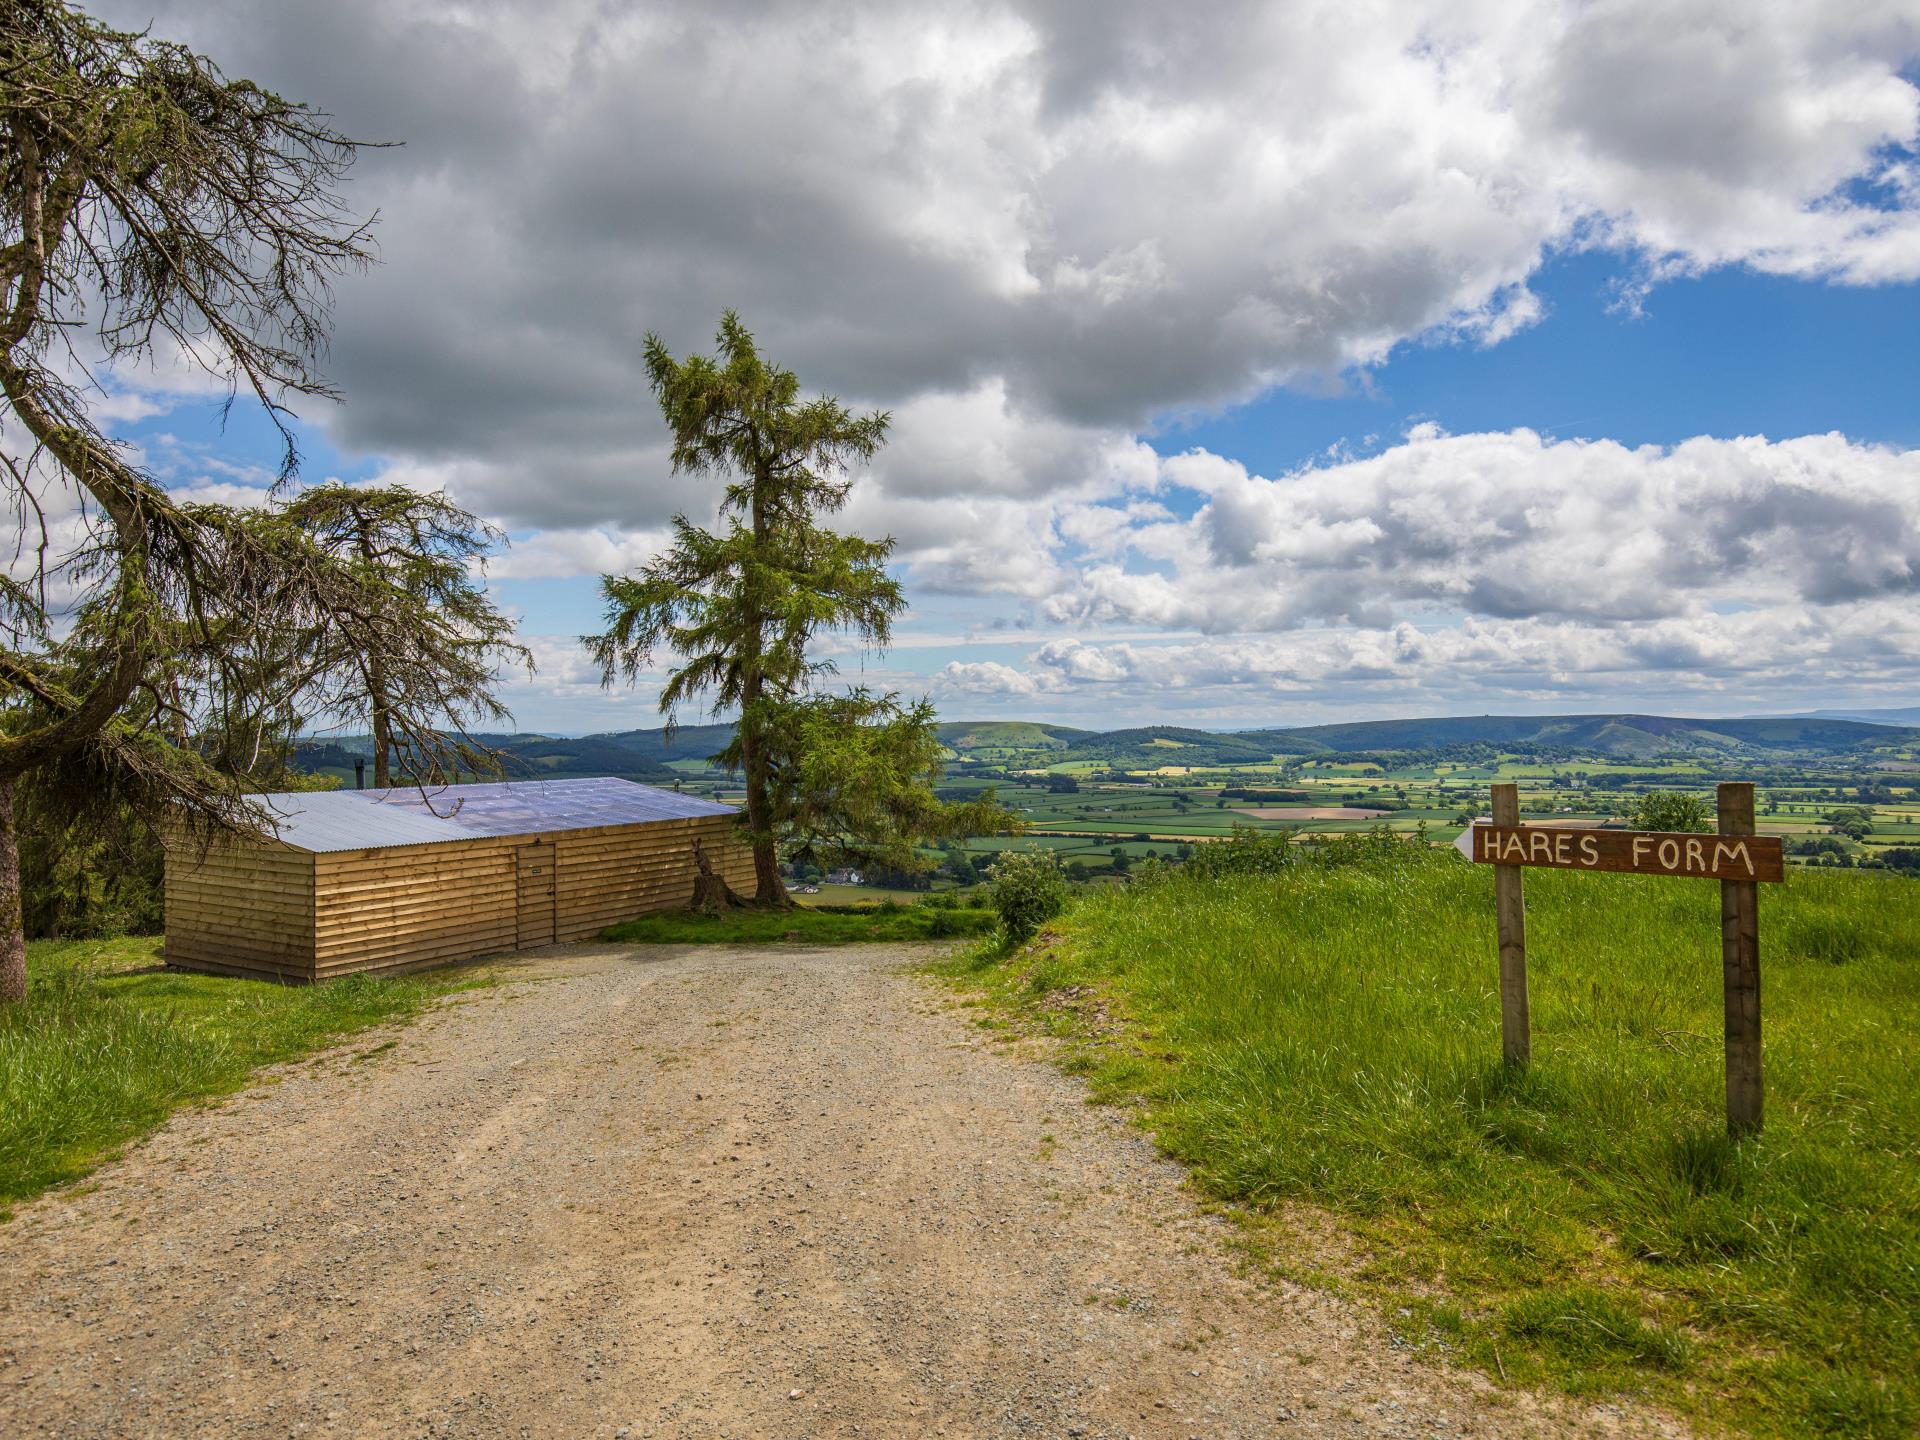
[(1330, 1034), (808, 924), (107, 1046)]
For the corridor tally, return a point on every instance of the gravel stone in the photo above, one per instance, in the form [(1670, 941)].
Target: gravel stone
[(493, 1229)]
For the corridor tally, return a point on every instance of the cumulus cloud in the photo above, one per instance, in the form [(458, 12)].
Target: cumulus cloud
[(1485, 568), (1035, 231), (1512, 525), (1715, 661), (559, 554), (1030, 227)]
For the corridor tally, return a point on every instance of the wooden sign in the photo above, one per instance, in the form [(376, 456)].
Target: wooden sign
[(1634, 852), (1739, 859)]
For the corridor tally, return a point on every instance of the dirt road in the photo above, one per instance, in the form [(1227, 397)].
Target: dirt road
[(681, 1192)]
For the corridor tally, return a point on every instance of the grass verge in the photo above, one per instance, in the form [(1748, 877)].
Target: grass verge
[(814, 925), (1327, 1040), (108, 1044)]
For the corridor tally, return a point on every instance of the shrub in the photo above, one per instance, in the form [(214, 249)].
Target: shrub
[(1376, 848), (1028, 890), (1670, 810), (1247, 852)]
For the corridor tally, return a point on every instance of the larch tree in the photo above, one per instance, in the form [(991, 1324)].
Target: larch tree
[(739, 608), (163, 211), (430, 553)]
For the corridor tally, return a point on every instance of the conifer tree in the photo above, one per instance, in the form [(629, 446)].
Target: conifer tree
[(740, 606)]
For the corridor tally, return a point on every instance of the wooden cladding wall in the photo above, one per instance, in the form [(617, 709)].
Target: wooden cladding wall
[(240, 909), (616, 873), (413, 905), (268, 910)]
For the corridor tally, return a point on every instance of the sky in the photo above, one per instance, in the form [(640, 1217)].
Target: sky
[(1291, 363)]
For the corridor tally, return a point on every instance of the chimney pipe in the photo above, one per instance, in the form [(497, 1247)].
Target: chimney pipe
[(359, 773)]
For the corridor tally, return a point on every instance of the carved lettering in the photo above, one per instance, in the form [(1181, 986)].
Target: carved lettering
[(1707, 857)]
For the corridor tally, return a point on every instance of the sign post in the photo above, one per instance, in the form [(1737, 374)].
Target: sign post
[(1510, 913), (1740, 959), (1738, 858)]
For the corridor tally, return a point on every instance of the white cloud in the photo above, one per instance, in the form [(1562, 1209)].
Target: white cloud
[(1477, 569), (1512, 525), (1712, 662), (560, 554), (1044, 223), (1034, 231)]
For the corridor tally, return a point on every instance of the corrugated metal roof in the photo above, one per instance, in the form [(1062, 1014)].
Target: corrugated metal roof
[(327, 820)]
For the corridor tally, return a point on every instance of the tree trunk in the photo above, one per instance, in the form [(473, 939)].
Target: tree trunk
[(13, 939), (381, 723), (711, 893), (767, 887), (382, 731)]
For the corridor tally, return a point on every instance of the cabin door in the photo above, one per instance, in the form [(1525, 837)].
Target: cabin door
[(534, 864)]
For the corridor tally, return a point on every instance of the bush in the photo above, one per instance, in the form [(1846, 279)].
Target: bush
[(1028, 890), (1376, 848), (1672, 811), (1247, 852)]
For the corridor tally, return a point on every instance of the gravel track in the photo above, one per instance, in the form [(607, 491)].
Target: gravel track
[(683, 1192)]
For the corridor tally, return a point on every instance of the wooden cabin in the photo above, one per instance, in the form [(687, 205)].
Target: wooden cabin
[(389, 880)]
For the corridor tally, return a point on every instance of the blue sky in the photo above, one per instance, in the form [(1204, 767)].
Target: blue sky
[(1728, 354), (1523, 356)]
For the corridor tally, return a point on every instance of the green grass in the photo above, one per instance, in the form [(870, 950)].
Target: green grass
[(813, 925), (1330, 1037), (108, 1044)]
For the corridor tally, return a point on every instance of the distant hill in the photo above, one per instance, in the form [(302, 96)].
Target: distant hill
[(1153, 746), (651, 757), (1906, 716), (1632, 736), (642, 755), (962, 736)]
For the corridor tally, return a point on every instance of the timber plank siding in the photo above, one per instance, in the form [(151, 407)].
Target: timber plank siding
[(235, 908), (272, 909)]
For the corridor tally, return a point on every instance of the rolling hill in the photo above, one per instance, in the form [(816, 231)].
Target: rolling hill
[(653, 757), (1629, 736)]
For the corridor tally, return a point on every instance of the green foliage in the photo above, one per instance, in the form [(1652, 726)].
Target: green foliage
[(1246, 852), (107, 1045), (741, 608), (1329, 1034), (1671, 810), (427, 557), (155, 661), (83, 887), (1028, 890), (1853, 821), (805, 924), (850, 781)]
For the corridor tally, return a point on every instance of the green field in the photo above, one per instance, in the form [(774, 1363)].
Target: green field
[(1326, 1042), (1179, 786), (108, 1044)]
